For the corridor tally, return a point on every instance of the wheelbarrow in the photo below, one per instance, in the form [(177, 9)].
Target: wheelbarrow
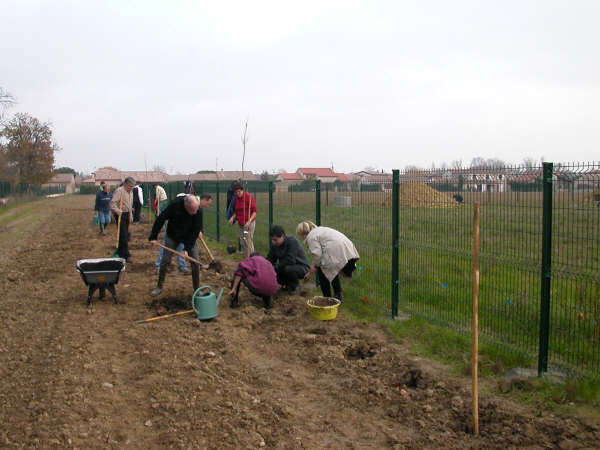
[(102, 274)]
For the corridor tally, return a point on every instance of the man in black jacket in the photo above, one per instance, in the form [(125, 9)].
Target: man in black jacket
[(288, 258), (185, 224)]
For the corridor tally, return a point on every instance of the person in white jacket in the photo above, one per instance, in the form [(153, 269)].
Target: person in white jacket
[(332, 253)]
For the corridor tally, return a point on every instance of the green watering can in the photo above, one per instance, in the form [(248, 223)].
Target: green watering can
[(205, 305)]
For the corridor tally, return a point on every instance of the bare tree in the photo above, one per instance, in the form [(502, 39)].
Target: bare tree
[(158, 168), (244, 142), (456, 164), (529, 162)]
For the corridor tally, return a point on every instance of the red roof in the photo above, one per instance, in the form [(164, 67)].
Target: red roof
[(342, 177), (290, 176), (317, 172)]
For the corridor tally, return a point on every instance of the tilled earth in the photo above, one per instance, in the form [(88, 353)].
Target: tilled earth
[(82, 377)]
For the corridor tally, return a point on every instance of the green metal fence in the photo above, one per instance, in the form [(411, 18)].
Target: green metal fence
[(7, 189), (539, 251)]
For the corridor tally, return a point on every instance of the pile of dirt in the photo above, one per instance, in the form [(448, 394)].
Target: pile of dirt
[(414, 193)]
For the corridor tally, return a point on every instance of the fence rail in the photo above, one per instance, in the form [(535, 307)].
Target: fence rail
[(539, 254)]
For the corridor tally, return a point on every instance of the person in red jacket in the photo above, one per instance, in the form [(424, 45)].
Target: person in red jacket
[(258, 275), (245, 213)]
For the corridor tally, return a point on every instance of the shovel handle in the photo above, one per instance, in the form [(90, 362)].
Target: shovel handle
[(166, 316), (183, 255), (201, 239)]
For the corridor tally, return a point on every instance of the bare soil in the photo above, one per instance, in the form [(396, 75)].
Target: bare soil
[(79, 377)]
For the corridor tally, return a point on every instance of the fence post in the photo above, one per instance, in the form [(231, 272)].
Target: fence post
[(218, 212), (395, 239), (327, 194), (546, 268), (318, 202), (270, 212)]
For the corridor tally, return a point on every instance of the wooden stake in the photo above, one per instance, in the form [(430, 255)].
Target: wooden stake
[(474, 359)]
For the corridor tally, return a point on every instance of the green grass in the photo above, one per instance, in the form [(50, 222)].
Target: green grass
[(435, 268)]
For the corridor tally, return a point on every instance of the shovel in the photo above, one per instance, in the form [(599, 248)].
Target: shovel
[(116, 252), (183, 255), (166, 316), (214, 264)]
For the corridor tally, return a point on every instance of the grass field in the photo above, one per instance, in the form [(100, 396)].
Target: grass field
[(435, 268)]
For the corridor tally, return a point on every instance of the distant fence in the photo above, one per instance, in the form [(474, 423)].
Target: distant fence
[(7, 189)]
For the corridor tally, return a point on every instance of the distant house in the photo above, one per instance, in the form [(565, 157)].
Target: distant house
[(222, 175), (285, 180), (326, 175), (62, 179), (384, 180), (485, 180), (114, 177), (110, 176)]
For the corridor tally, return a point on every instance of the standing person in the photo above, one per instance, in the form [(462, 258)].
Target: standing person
[(188, 187), (102, 206), (160, 196), (138, 202), (121, 206), (258, 275), (333, 253), (230, 197), (288, 258), (245, 214), (185, 225)]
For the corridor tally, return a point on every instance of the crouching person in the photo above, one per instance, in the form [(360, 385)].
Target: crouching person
[(258, 275), (288, 259)]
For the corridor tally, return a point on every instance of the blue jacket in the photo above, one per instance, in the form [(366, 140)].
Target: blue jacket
[(103, 201)]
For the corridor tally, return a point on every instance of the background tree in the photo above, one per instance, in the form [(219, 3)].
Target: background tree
[(29, 150), (65, 170)]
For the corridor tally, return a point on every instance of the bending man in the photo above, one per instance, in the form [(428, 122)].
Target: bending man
[(185, 224)]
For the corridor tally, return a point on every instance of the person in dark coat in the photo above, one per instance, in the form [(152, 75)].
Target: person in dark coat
[(102, 207), (185, 225), (138, 202), (258, 275), (288, 259)]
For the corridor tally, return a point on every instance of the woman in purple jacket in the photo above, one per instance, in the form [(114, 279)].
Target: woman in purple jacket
[(259, 277)]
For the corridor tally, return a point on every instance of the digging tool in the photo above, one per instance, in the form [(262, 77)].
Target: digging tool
[(116, 252), (214, 264), (183, 255), (166, 316)]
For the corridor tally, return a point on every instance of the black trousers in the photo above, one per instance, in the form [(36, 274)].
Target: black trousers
[(137, 209), (123, 235), (337, 286), (289, 275), (250, 288)]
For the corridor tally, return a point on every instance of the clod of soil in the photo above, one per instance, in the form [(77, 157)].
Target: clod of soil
[(360, 351), (411, 378)]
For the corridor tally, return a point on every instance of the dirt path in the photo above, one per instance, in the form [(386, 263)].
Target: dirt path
[(79, 378)]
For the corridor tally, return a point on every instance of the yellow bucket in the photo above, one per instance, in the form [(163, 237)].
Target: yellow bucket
[(323, 308)]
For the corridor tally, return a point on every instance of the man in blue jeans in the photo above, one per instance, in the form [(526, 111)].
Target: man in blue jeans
[(180, 261), (102, 207)]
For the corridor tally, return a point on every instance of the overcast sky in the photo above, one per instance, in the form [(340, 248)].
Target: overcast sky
[(350, 83)]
